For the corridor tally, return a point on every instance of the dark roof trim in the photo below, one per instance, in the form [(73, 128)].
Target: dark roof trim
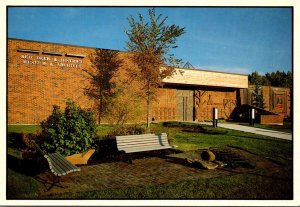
[(28, 50), (52, 53)]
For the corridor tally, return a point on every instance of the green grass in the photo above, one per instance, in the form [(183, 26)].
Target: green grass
[(101, 130), (23, 128), (262, 145), (220, 137), (241, 186), (20, 186)]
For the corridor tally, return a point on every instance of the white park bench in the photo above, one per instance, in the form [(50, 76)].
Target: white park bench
[(142, 142)]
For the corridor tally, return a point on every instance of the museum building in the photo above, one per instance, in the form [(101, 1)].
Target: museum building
[(42, 74)]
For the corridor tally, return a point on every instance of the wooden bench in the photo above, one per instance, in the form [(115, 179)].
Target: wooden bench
[(142, 142), (58, 165)]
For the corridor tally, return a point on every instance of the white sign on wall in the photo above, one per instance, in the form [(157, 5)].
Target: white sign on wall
[(51, 61)]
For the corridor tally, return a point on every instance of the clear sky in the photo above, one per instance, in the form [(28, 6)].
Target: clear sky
[(238, 40)]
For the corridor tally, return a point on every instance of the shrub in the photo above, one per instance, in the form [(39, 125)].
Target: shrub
[(69, 132), (186, 127), (28, 138), (126, 130)]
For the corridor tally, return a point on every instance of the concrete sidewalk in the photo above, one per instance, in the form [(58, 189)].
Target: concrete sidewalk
[(265, 132)]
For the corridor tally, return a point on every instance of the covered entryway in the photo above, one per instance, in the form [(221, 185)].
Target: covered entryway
[(185, 105)]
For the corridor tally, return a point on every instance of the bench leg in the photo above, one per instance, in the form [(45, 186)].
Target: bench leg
[(128, 158), (163, 154), (56, 180)]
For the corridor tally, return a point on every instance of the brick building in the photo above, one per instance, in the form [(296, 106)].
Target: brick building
[(42, 74), (276, 100)]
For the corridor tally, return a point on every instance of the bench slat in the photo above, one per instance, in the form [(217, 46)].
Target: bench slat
[(121, 139), (145, 135), (59, 165), (139, 149), (145, 141), (144, 145), (142, 136), (55, 169), (161, 142), (66, 164), (150, 137)]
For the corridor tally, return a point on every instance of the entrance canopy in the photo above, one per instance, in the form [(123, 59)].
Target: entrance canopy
[(199, 77)]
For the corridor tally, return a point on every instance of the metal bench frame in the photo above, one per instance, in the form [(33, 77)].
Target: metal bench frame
[(58, 165), (142, 142)]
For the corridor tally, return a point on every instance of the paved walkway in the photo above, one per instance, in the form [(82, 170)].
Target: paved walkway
[(143, 172), (265, 132)]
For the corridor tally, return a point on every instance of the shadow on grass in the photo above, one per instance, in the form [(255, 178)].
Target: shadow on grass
[(193, 128), (30, 167), (27, 166), (14, 140), (212, 132)]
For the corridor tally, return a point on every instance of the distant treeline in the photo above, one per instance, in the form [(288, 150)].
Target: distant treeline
[(278, 79)]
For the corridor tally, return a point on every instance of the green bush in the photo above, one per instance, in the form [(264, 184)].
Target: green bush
[(68, 132), (185, 127)]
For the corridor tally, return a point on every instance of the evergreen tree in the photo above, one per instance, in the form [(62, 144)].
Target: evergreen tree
[(257, 96), (280, 78)]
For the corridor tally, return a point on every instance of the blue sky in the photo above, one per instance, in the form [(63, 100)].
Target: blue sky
[(238, 40)]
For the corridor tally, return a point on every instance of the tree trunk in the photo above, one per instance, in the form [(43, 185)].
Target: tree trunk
[(100, 107), (148, 105), (99, 115), (148, 111)]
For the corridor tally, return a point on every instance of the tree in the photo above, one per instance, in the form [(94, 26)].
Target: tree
[(280, 79), (257, 96), (150, 43), (102, 89)]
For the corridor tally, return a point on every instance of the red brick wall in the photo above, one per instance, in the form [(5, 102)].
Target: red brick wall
[(266, 96), (205, 100), (276, 99), (279, 100), (164, 108), (34, 88), (37, 81), (271, 119)]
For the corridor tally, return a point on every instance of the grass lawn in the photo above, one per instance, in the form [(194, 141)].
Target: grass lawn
[(239, 186)]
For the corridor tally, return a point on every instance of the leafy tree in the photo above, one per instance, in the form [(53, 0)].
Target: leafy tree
[(127, 105), (150, 43), (102, 89), (70, 131)]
